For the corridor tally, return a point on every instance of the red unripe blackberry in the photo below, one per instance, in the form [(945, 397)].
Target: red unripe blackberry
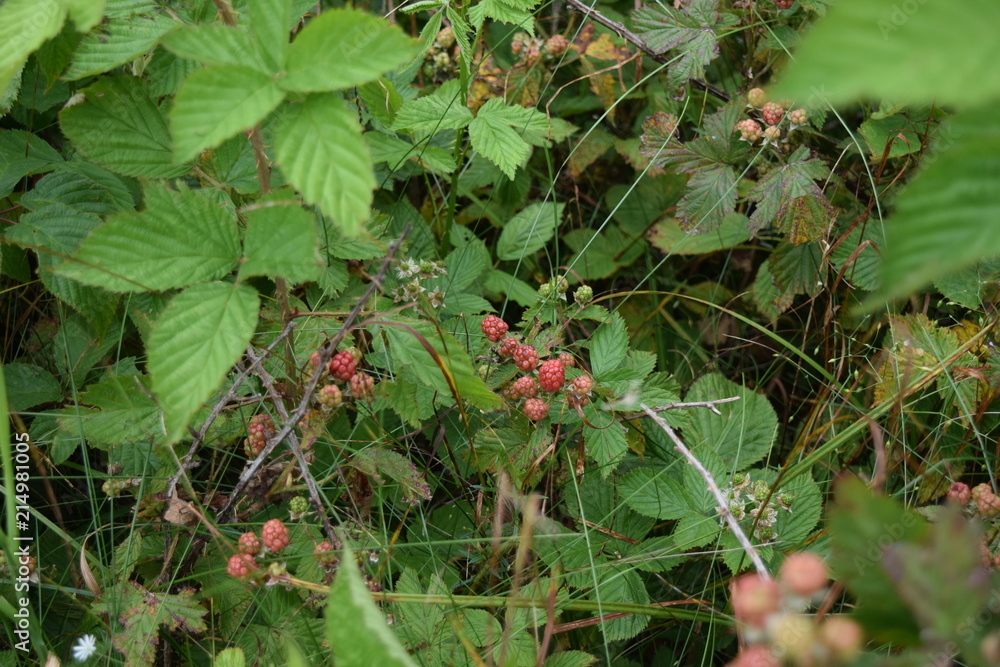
[(552, 375), (772, 113), (798, 117), (755, 598), (249, 543), (343, 365), (507, 347), (493, 327), (556, 45), (536, 409), (525, 387), (241, 566), (960, 493), (749, 130), (525, 357), (803, 573), (362, 385), (511, 393), (274, 535), (567, 359), (259, 429), (783, 4), (329, 396), (324, 554), (314, 359), (581, 385)]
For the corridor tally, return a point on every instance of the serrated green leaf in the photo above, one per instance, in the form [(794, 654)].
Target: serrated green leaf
[(606, 443), (82, 186), (322, 153), (407, 345), (689, 29), (397, 152), (217, 45), (121, 128), (798, 269), (24, 26), (382, 99), (671, 238), (442, 110), (528, 231), (510, 287), (357, 631), (23, 154), (503, 12), (157, 248), (695, 530), (216, 103), (116, 43), (281, 241), (496, 133), (617, 584), (924, 52), (945, 219), (55, 232), (195, 341), (608, 347), (864, 271), (29, 385), (84, 13), (793, 527), (341, 48), (655, 493), (269, 22), (709, 200), (777, 191), (465, 265), (125, 413), (141, 612), (744, 433), (233, 657)]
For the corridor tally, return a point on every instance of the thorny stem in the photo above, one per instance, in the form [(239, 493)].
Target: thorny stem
[(713, 487), (217, 409), (293, 444), (325, 354)]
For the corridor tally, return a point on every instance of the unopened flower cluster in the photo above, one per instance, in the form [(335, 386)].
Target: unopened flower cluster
[(417, 272), (756, 500)]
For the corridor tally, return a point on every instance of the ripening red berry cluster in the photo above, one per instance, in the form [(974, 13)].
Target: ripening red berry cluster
[(249, 543), (493, 327), (274, 535), (343, 365), (241, 566), (525, 357), (260, 429), (540, 377)]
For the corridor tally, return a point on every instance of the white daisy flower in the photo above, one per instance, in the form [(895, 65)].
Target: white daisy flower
[(85, 647)]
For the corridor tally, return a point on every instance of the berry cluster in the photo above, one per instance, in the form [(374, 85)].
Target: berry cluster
[(260, 429), (773, 625), (772, 114), (249, 543), (329, 397), (548, 376), (784, 4)]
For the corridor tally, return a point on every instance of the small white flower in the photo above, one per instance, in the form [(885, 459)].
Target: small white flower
[(85, 647)]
